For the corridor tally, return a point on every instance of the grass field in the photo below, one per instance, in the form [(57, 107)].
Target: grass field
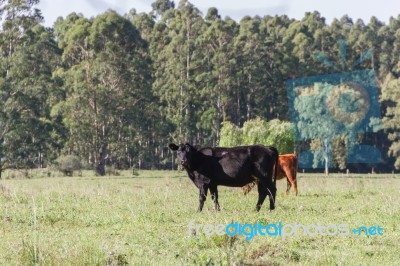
[(142, 220)]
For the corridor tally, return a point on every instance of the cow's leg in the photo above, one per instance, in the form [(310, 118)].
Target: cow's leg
[(269, 187), (285, 171), (262, 194), (214, 195), (267, 175), (272, 197), (289, 185), (291, 180), (202, 197), (295, 185), (266, 187)]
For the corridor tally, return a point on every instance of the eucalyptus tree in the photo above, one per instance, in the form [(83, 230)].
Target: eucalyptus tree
[(28, 55), (143, 22), (161, 6), (391, 99), (217, 81), (276, 69), (107, 83), (177, 60), (250, 59), (389, 51), (261, 57)]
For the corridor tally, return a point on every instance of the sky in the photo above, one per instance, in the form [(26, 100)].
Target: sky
[(355, 9)]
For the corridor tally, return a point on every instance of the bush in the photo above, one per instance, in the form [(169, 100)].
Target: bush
[(68, 164), (257, 131), (112, 171)]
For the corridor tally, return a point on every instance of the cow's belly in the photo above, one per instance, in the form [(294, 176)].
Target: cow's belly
[(237, 181), (235, 174)]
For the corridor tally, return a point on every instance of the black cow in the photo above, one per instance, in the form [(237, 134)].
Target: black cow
[(234, 167)]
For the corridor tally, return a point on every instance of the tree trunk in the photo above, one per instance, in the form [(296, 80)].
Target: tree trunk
[(326, 156), (326, 167), (101, 164), (1, 166), (219, 115), (248, 107), (249, 99)]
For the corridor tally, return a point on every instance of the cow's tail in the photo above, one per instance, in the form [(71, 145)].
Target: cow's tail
[(276, 165), (275, 175), (247, 188)]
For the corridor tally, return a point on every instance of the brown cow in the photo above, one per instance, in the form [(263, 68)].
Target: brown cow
[(287, 167)]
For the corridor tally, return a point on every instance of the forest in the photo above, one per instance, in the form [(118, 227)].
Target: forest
[(115, 89)]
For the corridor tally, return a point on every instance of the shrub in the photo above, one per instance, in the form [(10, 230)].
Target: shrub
[(68, 164), (112, 171), (257, 131)]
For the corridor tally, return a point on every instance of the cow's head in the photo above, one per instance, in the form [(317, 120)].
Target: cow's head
[(185, 153)]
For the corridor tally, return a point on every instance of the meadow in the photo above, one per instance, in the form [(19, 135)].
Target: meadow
[(143, 219)]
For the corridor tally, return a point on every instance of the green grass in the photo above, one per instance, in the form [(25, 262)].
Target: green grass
[(141, 220)]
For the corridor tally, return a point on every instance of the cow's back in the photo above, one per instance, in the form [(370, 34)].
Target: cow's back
[(255, 151), (287, 166), (245, 162)]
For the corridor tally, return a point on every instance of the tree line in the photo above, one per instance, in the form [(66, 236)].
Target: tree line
[(115, 89)]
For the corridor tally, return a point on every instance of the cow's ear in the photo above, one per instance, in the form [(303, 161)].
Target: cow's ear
[(173, 147)]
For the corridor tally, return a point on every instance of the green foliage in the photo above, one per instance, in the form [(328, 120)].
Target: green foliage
[(68, 164), (116, 89), (230, 134), (391, 122), (177, 60), (257, 131), (161, 6), (106, 89), (28, 57), (281, 136)]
